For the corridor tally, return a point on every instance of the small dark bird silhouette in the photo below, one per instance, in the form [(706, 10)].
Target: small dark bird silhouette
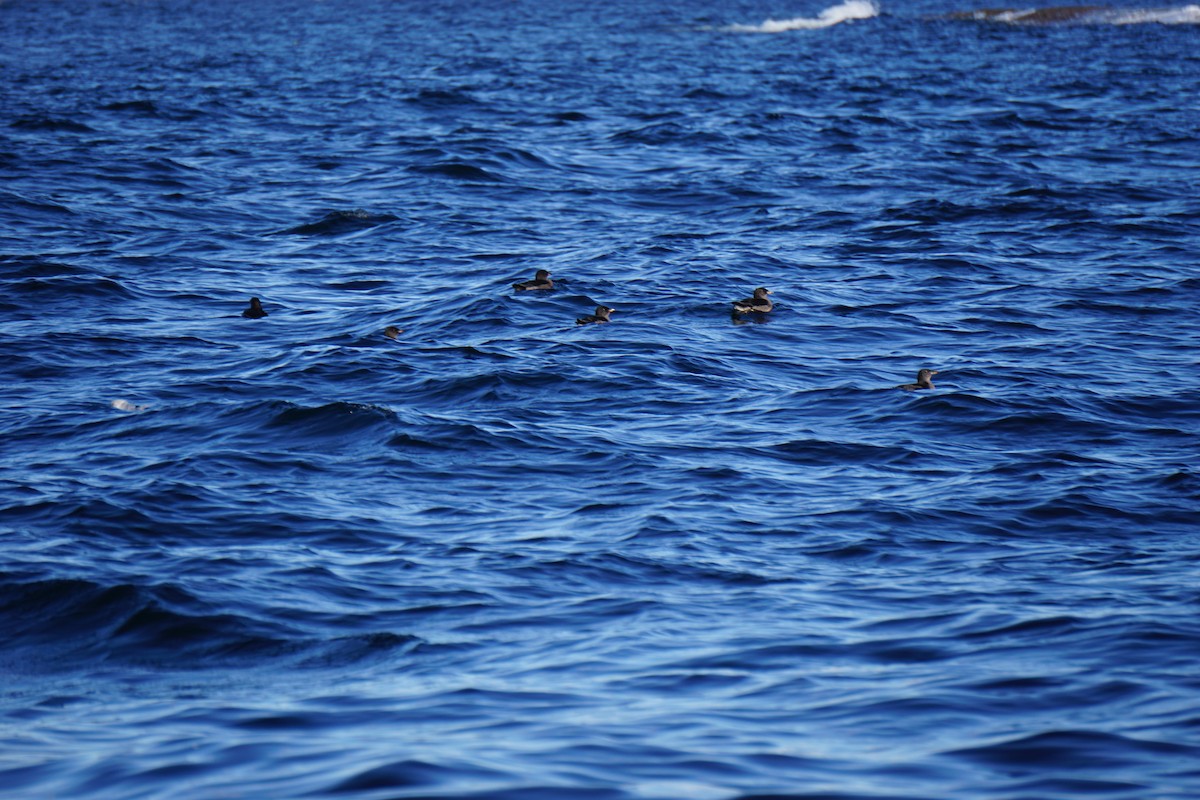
[(759, 304), (601, 315), (924, 381), (255, 311), (540, 281), (392, 332)]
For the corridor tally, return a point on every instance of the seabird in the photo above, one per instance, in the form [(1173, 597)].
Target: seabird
[(924, 381), (759, 304), (540, 281), (601, 315), (255, 311), (392, 332)]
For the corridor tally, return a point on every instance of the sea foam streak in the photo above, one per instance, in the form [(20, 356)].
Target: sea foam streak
[(851, 9), (125, 405), (1084, 15), (1187, 15)]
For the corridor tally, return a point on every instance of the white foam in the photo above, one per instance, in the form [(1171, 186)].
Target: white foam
[(125, 405), (851, 9), (1187, 15), (1092, 15)]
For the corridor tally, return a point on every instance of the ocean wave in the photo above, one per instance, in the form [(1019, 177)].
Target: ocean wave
[(817, 452), (1085, 15), (332, 419), (58, 623), (1070, 750), (459, 171), (834, 15), (137, 106), (61, 288), (443, 98), (13, 201), (338, 223), (673, 133), (1182, 15), (51, 124)]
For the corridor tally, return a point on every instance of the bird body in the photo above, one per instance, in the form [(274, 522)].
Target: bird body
[(601, 315), (924, 381), (255, 311), (540, 281), (758, 304)]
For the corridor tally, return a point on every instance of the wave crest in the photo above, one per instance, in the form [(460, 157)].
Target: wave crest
[(336, 223), (1186, 15), (1084, 15), (849, 10)]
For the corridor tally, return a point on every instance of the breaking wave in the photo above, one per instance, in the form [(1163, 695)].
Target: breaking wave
[(1084, 15), (850, 10)]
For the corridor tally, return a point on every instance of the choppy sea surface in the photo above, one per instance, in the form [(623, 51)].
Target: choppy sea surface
[(678, 556)]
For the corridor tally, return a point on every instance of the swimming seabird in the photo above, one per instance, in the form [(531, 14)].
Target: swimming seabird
[(540, 281), (255, 311), (759, 304), (601, 315), (392, 332), (924, 381)]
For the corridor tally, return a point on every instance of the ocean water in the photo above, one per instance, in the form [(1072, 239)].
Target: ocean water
[(679, 556)]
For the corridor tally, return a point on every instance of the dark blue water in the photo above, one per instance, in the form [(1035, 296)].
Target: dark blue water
[(675, 556)]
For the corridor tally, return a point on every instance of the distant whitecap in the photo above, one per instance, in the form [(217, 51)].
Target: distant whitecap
[(849, 10)]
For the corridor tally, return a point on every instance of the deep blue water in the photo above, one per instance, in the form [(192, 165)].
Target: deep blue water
[(677, 556)]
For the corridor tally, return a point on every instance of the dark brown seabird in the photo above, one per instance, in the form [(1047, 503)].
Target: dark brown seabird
[(255, 311), (540, 281), (601, 315), (759, 304), (924, 381)]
